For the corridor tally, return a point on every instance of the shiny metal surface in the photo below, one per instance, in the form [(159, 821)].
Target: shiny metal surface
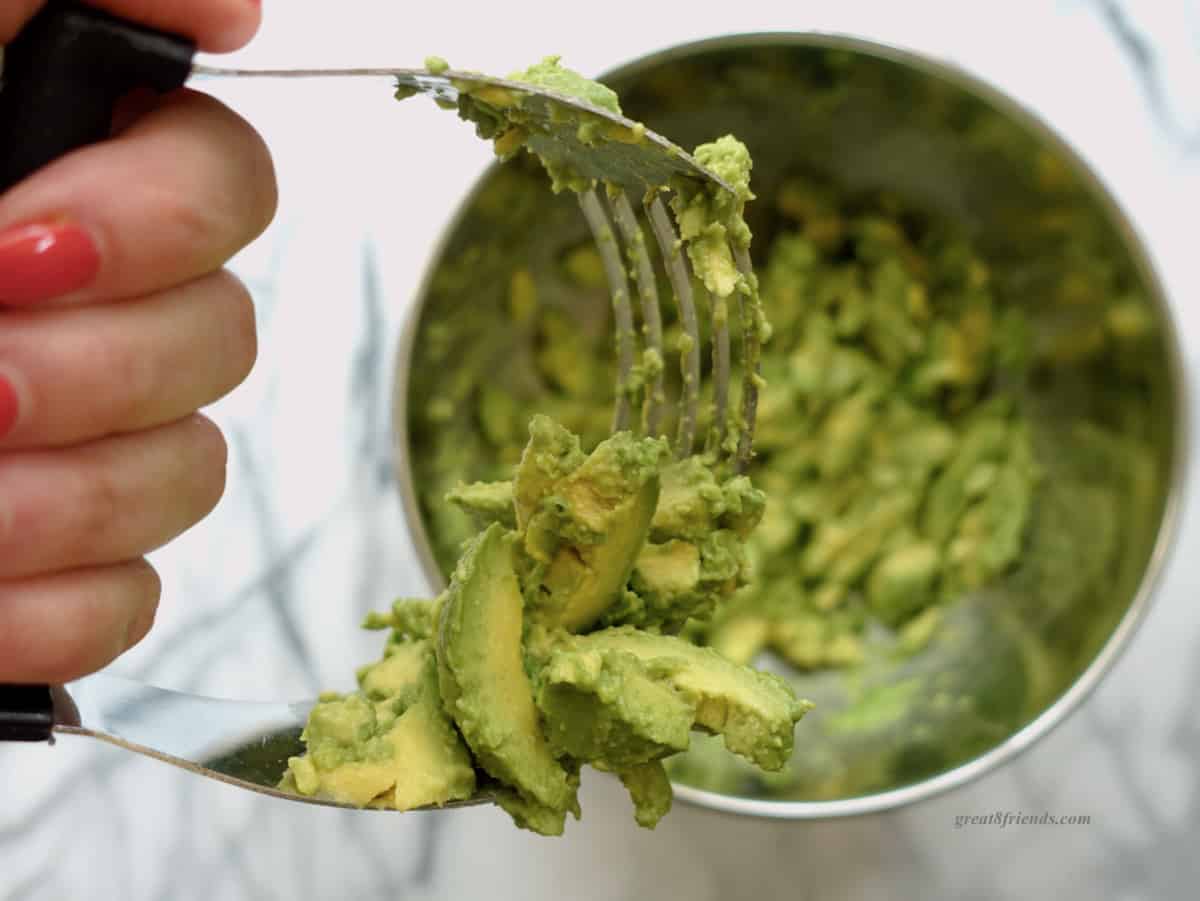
[(627, 156), (883, 143), (243, 743)]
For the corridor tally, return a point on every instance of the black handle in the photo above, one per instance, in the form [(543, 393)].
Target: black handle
[(26, 713), (62, 77), (64, 73)]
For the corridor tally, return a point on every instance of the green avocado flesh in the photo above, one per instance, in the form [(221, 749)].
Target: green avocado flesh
[(555, 644), (956, 476), (541, 655)]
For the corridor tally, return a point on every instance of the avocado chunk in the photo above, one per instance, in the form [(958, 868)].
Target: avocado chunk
[(608, 707), (487, 502), (755, 712), (585, 520), (531, 815), (582, 582), (433, 764), (650, 790), (551, 453), (401, 753), (399, 669), (484, 686), (694, 502)]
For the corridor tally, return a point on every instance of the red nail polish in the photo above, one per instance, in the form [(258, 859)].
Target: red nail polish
[(41, 262), (9, 406)]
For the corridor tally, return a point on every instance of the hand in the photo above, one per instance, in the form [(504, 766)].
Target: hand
[(117, 323)]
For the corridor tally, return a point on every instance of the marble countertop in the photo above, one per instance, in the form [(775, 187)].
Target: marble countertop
[(262, 600)]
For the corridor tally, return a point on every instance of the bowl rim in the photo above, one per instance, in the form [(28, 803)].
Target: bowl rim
[(1177, 472)]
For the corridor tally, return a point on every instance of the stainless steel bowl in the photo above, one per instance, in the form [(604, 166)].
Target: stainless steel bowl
[(863, 116)]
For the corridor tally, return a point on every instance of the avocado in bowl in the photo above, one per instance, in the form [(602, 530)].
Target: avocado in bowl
[(971, 433)]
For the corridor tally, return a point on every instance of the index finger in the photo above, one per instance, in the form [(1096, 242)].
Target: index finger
[(215, 25)]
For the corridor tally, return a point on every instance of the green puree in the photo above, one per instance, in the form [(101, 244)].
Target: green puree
[(550, 74), (556, 643)]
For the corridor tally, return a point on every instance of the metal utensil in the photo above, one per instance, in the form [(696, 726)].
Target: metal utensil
[(61, 79), (242, 743), (65, 72), (67, 69)]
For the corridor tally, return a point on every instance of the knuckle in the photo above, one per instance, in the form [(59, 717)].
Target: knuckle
[(54, 515), (139, 383), (264, 185), (31, 653), (77, 652), (194, 224), (98, 614), (243, 195), (146, 592), (95, 500), (211, 458), (240, 329), (135, 377)]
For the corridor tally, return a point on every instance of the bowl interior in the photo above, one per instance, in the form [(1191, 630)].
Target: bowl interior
[(1100, 399)]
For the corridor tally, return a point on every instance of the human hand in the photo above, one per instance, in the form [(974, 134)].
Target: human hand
[(118, 323)]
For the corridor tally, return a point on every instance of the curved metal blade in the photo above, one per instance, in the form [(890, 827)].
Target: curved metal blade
[(243, 743), (623, 152)]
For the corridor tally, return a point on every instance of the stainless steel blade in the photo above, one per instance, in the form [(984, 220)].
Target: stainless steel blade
[(244, 743), (629, 155)]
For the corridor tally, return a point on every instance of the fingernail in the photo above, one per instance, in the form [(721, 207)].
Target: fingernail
[(10, 406), (44, 261)]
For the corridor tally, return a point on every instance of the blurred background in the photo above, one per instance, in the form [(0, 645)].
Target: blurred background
[(262, 600)]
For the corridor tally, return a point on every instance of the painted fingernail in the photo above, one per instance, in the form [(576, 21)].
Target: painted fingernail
[(10, 406), (43, 261)]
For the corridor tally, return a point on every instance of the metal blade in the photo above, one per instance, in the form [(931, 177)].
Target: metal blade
[(244, 743), (624, 153)]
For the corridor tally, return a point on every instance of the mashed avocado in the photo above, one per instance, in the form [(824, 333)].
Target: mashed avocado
[(556, 643), (553, 645), (895, 475), (549, 73), (961, 438)]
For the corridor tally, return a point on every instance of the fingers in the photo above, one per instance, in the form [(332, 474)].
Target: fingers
[(216, 25), (14, 14), (172, 197), (59, 627), (112, 500), (83, 373)]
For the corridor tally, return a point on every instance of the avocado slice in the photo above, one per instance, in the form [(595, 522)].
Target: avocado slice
[(582, 582), (484, 686), (608, 707), (488, 502), (650, 789), (754, 711), (432, 765), (590, 528), (552, 453), (529, 814)]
